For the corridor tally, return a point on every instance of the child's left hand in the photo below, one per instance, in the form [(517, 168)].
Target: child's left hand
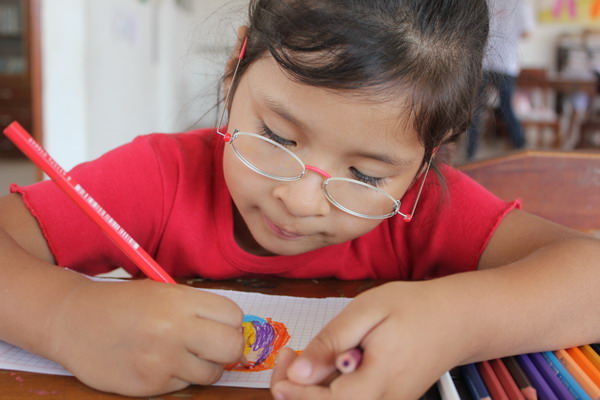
[(410, 335)]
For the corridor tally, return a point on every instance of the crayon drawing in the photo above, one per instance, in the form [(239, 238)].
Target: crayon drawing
[(264, 339)]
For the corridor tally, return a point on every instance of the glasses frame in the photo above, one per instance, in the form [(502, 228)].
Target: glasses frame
[(230, 138)]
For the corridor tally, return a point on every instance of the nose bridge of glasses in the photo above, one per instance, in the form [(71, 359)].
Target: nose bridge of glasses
[(317, 170)]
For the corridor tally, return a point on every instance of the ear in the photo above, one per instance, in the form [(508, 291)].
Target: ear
[(233, 60)]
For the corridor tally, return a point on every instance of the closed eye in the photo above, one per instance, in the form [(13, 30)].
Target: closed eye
[(268, 133), (371, 180)]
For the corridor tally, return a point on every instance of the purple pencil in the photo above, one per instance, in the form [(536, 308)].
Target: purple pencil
[(542, 387), (551, 378)]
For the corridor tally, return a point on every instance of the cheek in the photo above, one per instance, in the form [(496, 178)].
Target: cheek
[(350, 227), (243, 183)]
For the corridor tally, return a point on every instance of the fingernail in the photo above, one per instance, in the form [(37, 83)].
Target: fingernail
[(301, 368)]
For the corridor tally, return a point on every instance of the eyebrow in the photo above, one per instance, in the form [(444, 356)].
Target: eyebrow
[(395, 160), (284, 113)]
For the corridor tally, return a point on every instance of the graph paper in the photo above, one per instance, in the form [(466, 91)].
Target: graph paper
[(303, 317)]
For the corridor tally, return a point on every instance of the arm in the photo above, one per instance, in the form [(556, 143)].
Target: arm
[(536, 289), (101, 331)]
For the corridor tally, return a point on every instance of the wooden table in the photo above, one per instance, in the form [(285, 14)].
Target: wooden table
[(562, 186), (24, 385)]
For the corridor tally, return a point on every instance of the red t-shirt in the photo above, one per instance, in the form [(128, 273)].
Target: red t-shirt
[(168, 192)]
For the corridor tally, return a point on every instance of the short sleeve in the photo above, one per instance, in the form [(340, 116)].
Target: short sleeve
[(454, 224), (127, 183)]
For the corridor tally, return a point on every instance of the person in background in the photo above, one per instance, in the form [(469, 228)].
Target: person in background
[(510, 21)]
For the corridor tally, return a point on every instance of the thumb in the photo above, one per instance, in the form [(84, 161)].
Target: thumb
[(344, 332), (317, 361)]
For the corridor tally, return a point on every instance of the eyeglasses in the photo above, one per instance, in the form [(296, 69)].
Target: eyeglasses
[(272, 160)]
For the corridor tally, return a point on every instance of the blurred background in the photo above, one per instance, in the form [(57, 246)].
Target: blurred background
[(86, 76)]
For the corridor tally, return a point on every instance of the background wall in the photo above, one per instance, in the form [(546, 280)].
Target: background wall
[(115, 69)]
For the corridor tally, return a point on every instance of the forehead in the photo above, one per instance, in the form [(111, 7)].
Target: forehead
[(361, 115)]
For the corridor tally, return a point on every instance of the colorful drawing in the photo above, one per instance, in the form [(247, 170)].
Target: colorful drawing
[(264, 339)]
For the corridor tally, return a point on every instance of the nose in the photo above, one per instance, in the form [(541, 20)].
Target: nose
[(305, 197)]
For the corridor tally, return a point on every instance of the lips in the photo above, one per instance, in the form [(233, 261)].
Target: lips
[(282, 233)]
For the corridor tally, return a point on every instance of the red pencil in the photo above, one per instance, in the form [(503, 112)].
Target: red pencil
[(23, 140), (506, 379), (491, 381)]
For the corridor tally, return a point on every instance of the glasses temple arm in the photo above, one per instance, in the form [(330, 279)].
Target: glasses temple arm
[(409, 217), (237, 66)]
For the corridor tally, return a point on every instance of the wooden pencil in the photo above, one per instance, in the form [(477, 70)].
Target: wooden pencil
[(520, 378)]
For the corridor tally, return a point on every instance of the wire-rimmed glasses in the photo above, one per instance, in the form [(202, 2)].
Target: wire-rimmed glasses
[(272, 160)]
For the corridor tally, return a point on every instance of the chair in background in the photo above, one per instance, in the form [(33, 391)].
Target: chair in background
[(590, 126), (562, 186), (535, 105)]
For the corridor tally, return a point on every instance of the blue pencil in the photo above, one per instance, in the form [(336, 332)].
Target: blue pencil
[(565, 377), (542, 387), (474, 382), (557, 386)]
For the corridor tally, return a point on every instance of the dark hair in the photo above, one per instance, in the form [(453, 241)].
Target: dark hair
[(426, 52)]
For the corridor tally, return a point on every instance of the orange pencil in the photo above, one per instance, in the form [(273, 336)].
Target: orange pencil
[(506, 380), (491, 381), (577, 373), (591, 355), (585, 364)]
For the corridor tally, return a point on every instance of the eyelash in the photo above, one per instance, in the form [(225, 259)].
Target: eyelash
[(371, 180), (268, 133)]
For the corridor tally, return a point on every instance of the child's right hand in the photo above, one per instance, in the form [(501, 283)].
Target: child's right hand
[(145, 338)]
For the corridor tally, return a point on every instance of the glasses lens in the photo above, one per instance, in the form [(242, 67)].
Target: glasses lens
[(267, 157), (360, 198)]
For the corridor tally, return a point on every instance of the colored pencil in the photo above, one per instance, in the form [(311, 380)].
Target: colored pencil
[(591, 355), (432, 394), (474, 382), (520, 378), (575, 370), (542, 387), (460, 384), (564, 375), (506, 380), (585, 364), (557, 386), (446, 388), (23, 140), (348, 361), (491, 381)]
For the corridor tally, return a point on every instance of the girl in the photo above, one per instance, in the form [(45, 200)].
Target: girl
[(336, 110)]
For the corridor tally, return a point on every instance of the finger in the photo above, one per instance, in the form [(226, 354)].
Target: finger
[(343, 333), (213, 341), (198, 371), (218, 308), (285, 358)]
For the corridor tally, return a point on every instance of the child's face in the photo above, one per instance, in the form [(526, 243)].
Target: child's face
[(340, 133)]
